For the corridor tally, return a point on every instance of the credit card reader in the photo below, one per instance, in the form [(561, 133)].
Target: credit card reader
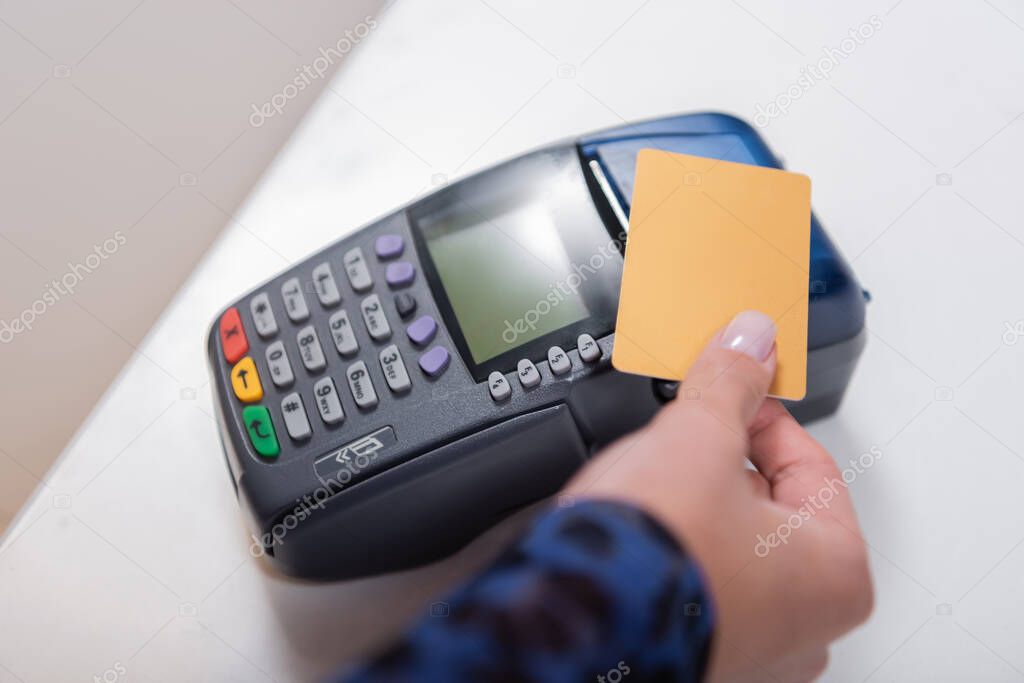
[(403, 389)]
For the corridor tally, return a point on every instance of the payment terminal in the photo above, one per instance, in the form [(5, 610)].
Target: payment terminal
[(403, 389)]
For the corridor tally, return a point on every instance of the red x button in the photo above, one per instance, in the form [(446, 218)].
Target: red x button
[(232, 336)]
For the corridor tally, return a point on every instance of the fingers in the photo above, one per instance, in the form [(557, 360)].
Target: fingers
[(730, 379), (798, 469), (758, 484)]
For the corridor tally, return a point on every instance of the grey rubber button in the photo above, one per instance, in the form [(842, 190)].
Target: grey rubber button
[(294, 302), (310, 351), (361, 386), (280, 367), (295, 420), (357, 270), (558, 361), (263, 315), (343, 334), (394, 369), (499, 386), (373, 316), (327, 402), (325, 286), (529, 376), (589, 349)]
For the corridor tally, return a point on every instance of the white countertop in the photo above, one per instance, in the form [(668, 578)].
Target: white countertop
[(133, 557)]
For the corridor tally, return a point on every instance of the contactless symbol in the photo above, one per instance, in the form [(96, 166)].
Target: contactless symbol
[(355, 456)]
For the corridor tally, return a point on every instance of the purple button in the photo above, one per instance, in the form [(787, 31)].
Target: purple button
[(422, 330), (389, 246), (435, 361), (399, 273)]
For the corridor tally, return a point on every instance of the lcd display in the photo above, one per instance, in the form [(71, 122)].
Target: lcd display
[(505, 270)]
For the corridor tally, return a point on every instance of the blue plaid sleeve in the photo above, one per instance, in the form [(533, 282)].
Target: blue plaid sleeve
[(597, 591)]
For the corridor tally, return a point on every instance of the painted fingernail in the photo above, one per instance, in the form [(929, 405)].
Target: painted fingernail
[(752, 333)]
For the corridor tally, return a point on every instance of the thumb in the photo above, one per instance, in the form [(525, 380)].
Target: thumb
[(731, 377)]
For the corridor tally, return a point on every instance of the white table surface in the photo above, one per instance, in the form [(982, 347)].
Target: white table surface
[(132, 559)]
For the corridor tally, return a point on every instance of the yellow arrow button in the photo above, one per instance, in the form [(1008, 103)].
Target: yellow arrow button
[(246, 381)]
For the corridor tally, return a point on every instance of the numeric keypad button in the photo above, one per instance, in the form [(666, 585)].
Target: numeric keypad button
[(263, 315), (280, 368), (327, 401), (357, 270), (310, 351), (294, 302), (361, 386), (342, 333), (325, 286), (295, 420), (373, 316), (394, 369)]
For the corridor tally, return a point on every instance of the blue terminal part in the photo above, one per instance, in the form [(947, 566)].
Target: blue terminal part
[(836, 308)]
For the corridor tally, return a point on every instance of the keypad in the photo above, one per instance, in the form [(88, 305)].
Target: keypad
[(310, 351), (294, 301), (328, 402), (310, 301), (280, 367), (373, 316), (394, 369), (263, 315), (558, 361), (325, 286), (357, 270), (361, 386), (342, 333), (295, 421)]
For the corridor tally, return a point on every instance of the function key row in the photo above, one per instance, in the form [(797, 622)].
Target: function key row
[(558, 362)]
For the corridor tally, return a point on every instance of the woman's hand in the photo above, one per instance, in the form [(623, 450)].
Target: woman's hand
[(780, 545)]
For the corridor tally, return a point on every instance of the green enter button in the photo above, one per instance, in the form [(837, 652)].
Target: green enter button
[(261, 431)]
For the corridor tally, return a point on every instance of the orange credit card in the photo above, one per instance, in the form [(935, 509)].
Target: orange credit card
[(708, 239)]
